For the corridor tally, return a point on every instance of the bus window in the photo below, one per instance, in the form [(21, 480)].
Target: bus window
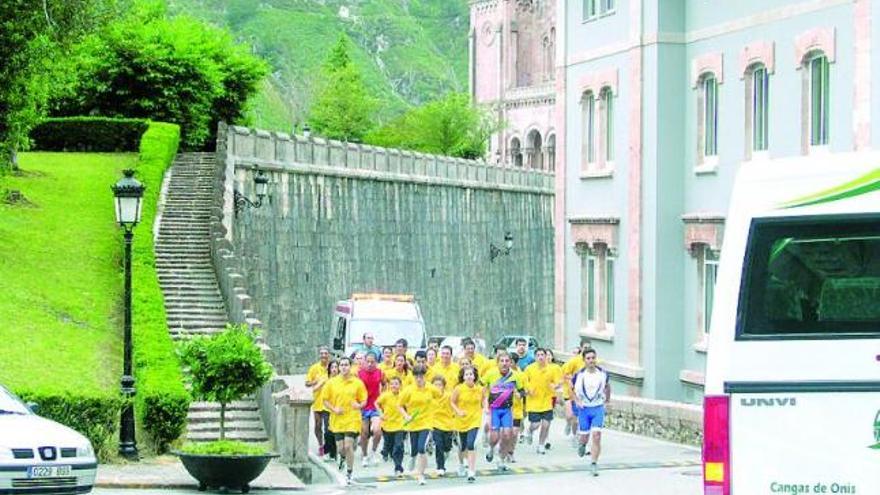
[(811, 278)]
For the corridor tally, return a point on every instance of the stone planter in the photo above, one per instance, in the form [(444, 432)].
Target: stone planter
[(232, 472)]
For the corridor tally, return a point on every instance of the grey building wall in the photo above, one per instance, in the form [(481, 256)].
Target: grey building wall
[(342, 218)]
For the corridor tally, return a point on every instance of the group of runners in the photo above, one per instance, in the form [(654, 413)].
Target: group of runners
[(384, 396)]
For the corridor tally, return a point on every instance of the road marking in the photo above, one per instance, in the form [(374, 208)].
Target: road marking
[(555, 468)]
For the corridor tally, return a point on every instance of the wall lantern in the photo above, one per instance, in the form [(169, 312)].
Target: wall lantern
[(495, 251), (261, 186)]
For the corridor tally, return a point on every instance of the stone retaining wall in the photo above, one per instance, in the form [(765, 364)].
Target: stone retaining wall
[(673, 421)]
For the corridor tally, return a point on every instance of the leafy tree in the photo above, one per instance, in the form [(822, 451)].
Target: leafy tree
[(225, 367), (449, 126), (343, 108), (175, 70), (35, 37)]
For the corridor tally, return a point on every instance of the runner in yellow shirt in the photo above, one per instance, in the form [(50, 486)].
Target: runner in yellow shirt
[(478, 360), (344, 398), (445, 368), (316, 377), (401, 370), (417, 407), (444, 417), (467, 401), (542, 385), (388, 404), (387, 359), (569, 370)]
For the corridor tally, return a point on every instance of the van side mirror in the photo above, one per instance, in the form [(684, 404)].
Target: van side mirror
[(34, 407), (337, 344)]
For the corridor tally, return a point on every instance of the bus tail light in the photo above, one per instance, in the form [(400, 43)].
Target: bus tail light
[(716, 445)]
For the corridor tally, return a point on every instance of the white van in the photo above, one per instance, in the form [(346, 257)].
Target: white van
[(792, 389), (387, 316)]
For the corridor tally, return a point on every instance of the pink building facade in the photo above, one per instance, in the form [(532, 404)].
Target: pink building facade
[(512, 71)]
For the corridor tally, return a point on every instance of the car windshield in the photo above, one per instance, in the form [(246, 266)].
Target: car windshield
[(9, 404), (386, 332)]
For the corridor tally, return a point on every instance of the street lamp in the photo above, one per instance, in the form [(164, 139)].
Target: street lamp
[(128, 193), (307, 131), (495, 251), (261, 186)]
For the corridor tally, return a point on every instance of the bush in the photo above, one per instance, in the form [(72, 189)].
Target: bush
[(224, 447), (162, 402), (88, 134), (95, 416)]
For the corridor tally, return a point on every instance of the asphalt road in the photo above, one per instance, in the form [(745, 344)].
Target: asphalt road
[(661, 481)]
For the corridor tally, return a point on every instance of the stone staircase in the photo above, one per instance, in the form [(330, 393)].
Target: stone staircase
[(193, 302)]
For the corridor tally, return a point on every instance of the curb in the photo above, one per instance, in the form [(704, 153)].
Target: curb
[(331, 473)]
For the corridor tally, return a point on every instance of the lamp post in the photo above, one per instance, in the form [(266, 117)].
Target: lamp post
[(128, 193)]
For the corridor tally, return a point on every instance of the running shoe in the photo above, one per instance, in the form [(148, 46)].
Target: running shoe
[(462, 470), (421, 480), (582, 450), (529, 438), (472, 477), (348, 479), (441, 472), (412, 463), (594, 469), (398, 474), (365, 462), (341, 462), (540, 450), (490, 455), (547, 446), (511, 459)]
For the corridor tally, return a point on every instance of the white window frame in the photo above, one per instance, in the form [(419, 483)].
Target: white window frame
[(597, 292), (607, 98), (709, 88), (760, 108), (609, 289), (709, 261), (591, 10), (589, 126), (607, 7)]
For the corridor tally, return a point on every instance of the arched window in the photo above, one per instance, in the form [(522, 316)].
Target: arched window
[(551, 153), (757, 80), (707, 117), (818, 97), (607, 98), (516, 153), (588, 109), (534, 151)]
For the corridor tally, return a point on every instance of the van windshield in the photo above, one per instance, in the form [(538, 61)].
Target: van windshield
[(386, 332), (812, 278)]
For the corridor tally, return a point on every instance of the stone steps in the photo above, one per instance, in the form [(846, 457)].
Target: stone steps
[(193, 304)]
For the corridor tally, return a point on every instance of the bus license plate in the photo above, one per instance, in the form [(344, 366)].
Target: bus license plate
[(48, 471)]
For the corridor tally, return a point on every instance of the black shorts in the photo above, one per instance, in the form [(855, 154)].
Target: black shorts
[(535, 417), (345, 434), (517, 423)]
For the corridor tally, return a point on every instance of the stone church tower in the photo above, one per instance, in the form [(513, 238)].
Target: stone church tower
[(512, 70)]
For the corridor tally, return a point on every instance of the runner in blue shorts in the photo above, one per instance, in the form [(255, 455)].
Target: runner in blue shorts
[(592, 391), (502, 384)]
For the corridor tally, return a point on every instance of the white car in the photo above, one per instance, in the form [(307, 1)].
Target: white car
[(41, 456)]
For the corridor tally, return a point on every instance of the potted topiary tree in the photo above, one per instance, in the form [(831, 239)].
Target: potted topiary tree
[(225, 367)]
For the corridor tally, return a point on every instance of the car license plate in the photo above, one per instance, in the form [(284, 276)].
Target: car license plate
[(48, 471)]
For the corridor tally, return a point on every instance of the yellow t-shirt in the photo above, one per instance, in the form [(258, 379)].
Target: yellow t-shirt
[(449, 373), (542, 383), (569, 369), (355, 368), (444, 416), (388, 403), (385, 367), (519, 401), (317, 374), (419, 402), (341, 393), (406, 379), (470, 401)]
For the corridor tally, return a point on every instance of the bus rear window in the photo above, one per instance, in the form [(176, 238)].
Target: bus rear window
[(811, 278)]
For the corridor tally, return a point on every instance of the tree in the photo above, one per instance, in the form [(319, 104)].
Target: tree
[(176, 70), (35, 37), (449, 126), (225, 367), (343, 108)]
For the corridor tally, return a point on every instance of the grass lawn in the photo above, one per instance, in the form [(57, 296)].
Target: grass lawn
[(60, 276)]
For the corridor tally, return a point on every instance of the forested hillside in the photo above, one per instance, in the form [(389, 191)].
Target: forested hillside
[(410, 51)]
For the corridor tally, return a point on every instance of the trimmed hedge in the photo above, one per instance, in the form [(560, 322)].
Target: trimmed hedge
[(88, 134), (95, 416), (162, 401)]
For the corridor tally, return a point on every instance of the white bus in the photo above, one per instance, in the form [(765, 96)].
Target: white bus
[(792, 400)]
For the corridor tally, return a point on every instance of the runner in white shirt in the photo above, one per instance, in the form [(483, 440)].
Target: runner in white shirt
[(592, 391)]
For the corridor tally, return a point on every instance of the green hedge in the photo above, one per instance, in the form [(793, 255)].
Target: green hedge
[(95, 416), (162, 401), (88, 134)]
